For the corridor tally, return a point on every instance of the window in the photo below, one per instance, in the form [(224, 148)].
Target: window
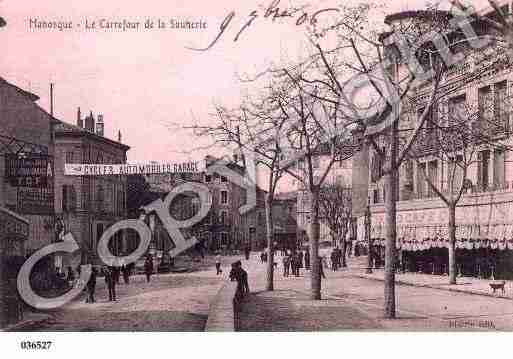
[(498, 169), (69, 199), (224, 238), (501, 106), (421, 181), (99, 231), (433, 176), (100, 199), (455, 172), (121, 202), (375, 196), (224, 197), (208, 178), (224, 179), (195, 204), (484, 102), (483, 174), (456, 110), (430, 125), (69, 157), (223, 218)]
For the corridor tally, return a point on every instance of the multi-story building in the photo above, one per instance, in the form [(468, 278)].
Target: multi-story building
[(26, 189), (285, 220), (224, 226), (26, 148), (340, 174), (484, 215), (87, 205)]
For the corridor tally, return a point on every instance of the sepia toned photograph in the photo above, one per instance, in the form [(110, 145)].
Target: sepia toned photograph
[(255, 166)]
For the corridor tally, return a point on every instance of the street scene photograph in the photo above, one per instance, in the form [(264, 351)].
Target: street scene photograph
[(257, 166)]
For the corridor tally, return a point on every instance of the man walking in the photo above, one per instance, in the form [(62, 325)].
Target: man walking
[(307, 260), (218, 264), (111, 283), (126, 273), (334, 259), (148, 267), (247, 252), (91, 286), (286, 265), (321, 267)]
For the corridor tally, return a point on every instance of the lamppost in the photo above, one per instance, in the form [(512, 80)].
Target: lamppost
[(367, 224)]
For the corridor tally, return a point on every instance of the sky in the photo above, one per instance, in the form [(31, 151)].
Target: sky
[(146, 82)]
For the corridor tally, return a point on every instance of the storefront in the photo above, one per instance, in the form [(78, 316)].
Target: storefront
[(14, 231)]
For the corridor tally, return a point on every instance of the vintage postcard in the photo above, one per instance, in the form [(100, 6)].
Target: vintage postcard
[(255, 166)]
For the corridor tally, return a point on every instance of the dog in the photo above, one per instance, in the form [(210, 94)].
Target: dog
[(498, 285)]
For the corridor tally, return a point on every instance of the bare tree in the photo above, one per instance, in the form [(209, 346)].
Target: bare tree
[(392, 80), (335, 211)]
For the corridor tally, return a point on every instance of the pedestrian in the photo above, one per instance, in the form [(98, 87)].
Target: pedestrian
[(233, 272), (334, 259), (91, 286), (218, 264), (300, 259), (286, 265), (71, 277), (148, 267), (307, 260), (247, 252), (241, 276), (111, 282), (295, 264), (117, 272), (321, 267), (126, 273), (262, 257)]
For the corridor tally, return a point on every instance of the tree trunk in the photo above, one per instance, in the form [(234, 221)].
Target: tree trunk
[(390, 180), (343, 246), (452, 244), (270, 242), (315, 279)]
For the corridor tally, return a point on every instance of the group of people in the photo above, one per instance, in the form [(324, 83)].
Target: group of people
[(112, 276), (336, 258), (293, 261)]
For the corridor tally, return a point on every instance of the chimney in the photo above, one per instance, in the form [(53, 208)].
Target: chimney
[(80, 121), (119, 136), (89, 122), (100, 126)]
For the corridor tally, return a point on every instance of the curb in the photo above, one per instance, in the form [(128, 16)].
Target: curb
[(471, 292), (222, 312), (26, 324)]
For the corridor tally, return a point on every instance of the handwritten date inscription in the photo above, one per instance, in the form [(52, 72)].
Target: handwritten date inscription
[(272, 12)]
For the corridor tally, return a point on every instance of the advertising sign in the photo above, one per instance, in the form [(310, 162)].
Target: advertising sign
[(31, 170)]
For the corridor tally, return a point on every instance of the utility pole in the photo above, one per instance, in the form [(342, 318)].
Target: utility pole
[(51, 99)]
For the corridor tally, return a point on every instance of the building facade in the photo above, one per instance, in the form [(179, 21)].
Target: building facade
[(340, 174), (224, 227), (484, 223), (86, 206), (285, 220)]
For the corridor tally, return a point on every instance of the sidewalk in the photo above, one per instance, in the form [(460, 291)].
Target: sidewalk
[(350, 301), (468, 285)]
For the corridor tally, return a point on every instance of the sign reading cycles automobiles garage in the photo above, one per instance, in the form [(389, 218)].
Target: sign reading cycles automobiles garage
[(71, 169)]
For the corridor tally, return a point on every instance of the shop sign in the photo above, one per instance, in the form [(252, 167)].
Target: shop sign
[(29, 170)]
